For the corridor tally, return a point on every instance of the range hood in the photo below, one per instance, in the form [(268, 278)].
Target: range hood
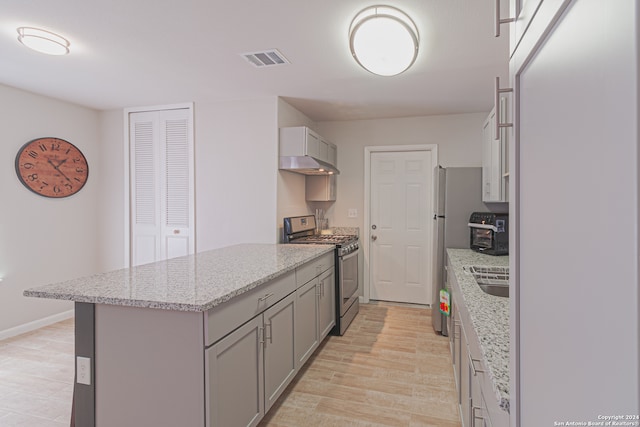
[(304, 151), (307, 165)]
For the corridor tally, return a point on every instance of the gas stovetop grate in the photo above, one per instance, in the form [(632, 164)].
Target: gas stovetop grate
[(325, 238)]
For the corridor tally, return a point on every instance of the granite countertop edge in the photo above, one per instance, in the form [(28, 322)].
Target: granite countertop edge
[(72, 290), (489, 316)]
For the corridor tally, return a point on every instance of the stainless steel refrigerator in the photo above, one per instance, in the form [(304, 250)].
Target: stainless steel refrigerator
[(458, 194)]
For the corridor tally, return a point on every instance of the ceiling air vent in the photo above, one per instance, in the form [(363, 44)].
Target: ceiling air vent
[(266, 58)]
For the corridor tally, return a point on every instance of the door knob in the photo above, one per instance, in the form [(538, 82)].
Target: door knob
[(374, 237)]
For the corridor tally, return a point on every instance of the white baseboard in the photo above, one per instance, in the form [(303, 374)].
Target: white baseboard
[(36, 324)]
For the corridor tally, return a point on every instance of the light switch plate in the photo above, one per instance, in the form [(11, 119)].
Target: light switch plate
[(353, 213), (83, 370)]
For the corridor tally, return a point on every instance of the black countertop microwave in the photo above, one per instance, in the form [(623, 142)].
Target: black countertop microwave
[(489, 233)]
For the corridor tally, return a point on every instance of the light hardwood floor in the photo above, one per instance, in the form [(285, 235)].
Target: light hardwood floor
[(389, 369), (36, 377)]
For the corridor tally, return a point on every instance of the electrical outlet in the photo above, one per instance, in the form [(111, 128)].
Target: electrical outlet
[(83, 370), (353, 213)]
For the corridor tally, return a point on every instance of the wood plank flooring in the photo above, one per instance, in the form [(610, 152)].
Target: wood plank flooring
[(389, 369), (36, 377)]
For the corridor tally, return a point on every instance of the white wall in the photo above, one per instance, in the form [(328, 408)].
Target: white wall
[(241, 196), (111, 202), (44, 240), (236, 165), (236, 149), (459, 139)]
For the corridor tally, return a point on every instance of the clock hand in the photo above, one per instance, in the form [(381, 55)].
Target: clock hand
[(59, 171)]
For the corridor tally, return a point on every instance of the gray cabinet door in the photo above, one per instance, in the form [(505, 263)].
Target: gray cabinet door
[(327, 302), (465, 380), (456, 349), (279, 352), (306, 331), (235, 386)]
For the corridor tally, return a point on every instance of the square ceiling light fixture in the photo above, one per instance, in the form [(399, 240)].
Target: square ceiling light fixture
[(43, 41), (383, 40)]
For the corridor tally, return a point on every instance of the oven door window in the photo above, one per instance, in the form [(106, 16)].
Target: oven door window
[(349, 275), (482, 238)]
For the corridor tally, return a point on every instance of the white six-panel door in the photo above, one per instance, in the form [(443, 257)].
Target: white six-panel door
[(399, 232), (162, 185)]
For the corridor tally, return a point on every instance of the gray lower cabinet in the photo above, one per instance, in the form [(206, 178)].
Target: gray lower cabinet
[(327, 302), (478, 404), (307, 337), (235, 377), (279, 349), (465, 379), (315, 313), (252, 366), (248, 367)]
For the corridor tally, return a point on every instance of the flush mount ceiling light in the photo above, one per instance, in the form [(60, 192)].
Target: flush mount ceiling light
[(383, 40), (43, 41)]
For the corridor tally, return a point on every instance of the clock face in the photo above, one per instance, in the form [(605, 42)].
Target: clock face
[(52, 167)]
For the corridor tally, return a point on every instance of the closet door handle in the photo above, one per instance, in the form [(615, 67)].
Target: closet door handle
[(498, 90)]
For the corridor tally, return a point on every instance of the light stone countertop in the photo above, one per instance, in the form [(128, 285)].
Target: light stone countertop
[(489, 315), (191, 283)]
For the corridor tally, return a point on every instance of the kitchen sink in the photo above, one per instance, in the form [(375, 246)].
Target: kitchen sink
[(492, 280)]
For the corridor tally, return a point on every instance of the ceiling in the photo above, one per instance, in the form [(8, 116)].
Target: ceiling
[(128, 53)]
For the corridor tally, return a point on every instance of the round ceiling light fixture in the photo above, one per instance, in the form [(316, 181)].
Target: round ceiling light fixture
[(383, 40), (43, 41)]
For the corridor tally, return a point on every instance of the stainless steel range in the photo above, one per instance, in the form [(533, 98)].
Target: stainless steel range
[(301, 230)]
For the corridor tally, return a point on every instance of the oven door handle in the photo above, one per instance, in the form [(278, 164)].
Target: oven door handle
[(351, 255), (483, 226)]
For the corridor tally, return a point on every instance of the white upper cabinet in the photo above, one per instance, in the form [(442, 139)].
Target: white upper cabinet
[(575, 76), (333, 155), (321, 188), (523, 11), (302, 141), (495, 172)]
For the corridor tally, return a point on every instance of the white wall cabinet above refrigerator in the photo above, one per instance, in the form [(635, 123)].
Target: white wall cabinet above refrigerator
[(495, 165)]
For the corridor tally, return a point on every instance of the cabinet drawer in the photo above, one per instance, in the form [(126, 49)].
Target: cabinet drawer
[(224, 318), (314, 268)]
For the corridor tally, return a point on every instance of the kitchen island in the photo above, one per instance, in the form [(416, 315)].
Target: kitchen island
[(203, 340), (485, 321)]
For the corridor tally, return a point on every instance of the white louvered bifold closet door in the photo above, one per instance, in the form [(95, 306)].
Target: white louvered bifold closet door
[(162, 185)]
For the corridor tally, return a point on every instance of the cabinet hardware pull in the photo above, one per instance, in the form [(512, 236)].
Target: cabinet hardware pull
[(474, 416), (455, 323), (473, 368), (497, 21), (496, 100), (266, 297), (270, 335), (261, 335)]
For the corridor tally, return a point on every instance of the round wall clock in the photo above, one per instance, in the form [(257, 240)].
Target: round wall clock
[(52, 167)]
